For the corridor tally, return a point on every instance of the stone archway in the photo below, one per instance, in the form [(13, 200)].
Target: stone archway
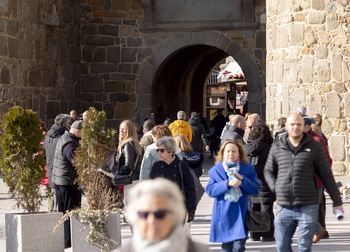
[(146, 85)]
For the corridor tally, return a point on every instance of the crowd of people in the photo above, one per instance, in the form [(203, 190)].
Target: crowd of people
[(249, 165)]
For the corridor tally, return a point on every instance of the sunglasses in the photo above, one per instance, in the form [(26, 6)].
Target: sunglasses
[(159, 214), (160, 150), (250, 127)]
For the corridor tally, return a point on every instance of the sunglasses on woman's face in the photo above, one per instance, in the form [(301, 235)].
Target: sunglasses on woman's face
[(160, 150), (159, 214)]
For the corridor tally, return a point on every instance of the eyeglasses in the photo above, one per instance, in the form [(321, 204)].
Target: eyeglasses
[(159, 214), (160, 150), (250, 127)]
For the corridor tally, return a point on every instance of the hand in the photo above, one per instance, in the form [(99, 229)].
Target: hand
[(239, 176), (207, 147), (338, 207), (190, 217), (234, 182)]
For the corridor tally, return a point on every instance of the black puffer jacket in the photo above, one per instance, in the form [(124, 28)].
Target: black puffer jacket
[(171, 172), (198, 134), (50, 147), (292, 174), (280, 133), (194, 160), (257, 153), (234, 134)]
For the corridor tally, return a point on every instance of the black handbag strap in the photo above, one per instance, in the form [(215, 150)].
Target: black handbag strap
[(181, 176), (261, 203)]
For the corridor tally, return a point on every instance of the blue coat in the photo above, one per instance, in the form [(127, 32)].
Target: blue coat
[(227, 222)]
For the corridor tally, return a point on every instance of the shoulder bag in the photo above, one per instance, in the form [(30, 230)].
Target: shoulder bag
[(257, 221), (125, 179), (197, 184)]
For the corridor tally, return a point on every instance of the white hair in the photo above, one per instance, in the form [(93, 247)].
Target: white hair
[(156, 187), (302, 110)]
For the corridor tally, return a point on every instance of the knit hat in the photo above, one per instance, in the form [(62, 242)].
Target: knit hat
[(308, 120)]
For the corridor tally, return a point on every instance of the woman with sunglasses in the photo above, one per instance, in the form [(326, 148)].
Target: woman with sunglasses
[(231, 180), (168, 168), (156, 212)]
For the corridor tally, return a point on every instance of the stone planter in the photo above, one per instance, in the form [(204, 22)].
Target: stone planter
[(80, 231), (33, 232)]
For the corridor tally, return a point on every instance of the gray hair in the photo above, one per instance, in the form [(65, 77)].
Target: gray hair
[(181, 115), (156, 187), (168, 142), (255, 115), (63, 119), (302, 110), (195, 114)]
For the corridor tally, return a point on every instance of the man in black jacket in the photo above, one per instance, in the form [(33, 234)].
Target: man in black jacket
[(291, 171), (62, 123), (198, 133), (236, 131), (64, 174)]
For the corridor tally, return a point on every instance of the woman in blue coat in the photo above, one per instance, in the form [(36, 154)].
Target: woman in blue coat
[(227, 223)]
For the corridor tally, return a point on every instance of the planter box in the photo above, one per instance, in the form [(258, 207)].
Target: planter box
[(80, 231), (33, 232)]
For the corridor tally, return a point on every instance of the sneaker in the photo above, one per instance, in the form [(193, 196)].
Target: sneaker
[(318, 236), (268, 239), (325, 236)]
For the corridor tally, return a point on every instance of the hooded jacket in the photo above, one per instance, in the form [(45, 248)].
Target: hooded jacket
[(257, 153), (194, 160), (49, 146), (181, 127), (198, 134), (234, 134), (279, 134), (292, 173)]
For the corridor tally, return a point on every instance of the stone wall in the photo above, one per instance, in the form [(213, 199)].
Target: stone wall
[(308, 55), (40, 56)]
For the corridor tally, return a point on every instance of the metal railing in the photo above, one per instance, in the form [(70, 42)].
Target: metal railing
[(213, 76)]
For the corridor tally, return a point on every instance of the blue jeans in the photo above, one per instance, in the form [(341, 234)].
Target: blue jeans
[(287, 219), (234, 246)]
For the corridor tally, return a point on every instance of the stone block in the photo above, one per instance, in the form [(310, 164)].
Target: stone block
[(338, 169), (111, 30), (52, 20), (316, 17), (91, 84), (337, 148), (255, 97), (144, 53), (100, 55), (307, 70), (74, 54), (124, 68), (103, 68), (323, 71), (331, 7), (52, 109), (87, 53), (101, 97), (99, 41), (12, 27), (297, 34), (327, 127), (2, 25), (135, 68), (323, 37), (322, 52), (145, 101), (3, 46), (134, 42), (315, 104), (123, 77), (332, 108), (274, 35), (298, 99), (148, 72), (300, 17), (130, 87), (279, 71), (114, 86), (87, 97), (113, 54), (13, 46), (270, 72), (233, 48), (291, 70), (133, 97), (119, 97), (340, 88), (125, 110), (109, 109), (89, 29), (347, 104), (249, 34), (318, 4), (283, 37), (332, 21), (5, 75), (144, 87), (284, 5), (310, 36), (129, 54), (340, 39), (343, 126), (336, 66)]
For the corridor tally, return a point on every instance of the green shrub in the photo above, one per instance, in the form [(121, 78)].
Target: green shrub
[(22, 168)]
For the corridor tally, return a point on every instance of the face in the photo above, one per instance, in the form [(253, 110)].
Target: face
[(152, 116), (78, 133), (231, 153), (73, 114), (317, 120), (295, 126), (153, 228), (250, 125), (123, 131), (307, 128), (85, 114), (163, 154)]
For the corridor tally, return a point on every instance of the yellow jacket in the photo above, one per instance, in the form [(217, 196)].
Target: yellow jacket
[(181, 127)]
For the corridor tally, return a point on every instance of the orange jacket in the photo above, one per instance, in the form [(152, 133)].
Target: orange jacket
[(181, 127)]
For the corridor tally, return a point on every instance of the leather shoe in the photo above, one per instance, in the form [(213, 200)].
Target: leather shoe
[(325, 236), (318, 236), (268, 239), (255, 239)]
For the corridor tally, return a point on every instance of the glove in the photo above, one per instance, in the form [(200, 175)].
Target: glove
[(190, 216)]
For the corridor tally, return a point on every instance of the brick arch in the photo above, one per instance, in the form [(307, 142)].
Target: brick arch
[(145, 85)]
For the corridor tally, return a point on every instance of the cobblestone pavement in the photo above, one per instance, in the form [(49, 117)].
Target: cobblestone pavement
[(339, 232)]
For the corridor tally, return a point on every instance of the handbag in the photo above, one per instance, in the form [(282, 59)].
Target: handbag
[(125, 179), (197, 184), (110, 164), (257, 221)]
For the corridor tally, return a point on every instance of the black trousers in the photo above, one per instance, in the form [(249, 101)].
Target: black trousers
[(269, 209), (68, 198), (322, 211)]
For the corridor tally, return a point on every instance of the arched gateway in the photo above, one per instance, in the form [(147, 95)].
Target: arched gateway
[(175, 75)]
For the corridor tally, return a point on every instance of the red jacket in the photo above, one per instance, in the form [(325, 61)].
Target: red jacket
[(318, 138)]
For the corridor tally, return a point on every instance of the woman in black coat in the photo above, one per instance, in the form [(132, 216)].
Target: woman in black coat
[(168, 168), (257, 149)]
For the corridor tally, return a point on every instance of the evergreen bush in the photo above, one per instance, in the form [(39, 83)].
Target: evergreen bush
[(22, 168)]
